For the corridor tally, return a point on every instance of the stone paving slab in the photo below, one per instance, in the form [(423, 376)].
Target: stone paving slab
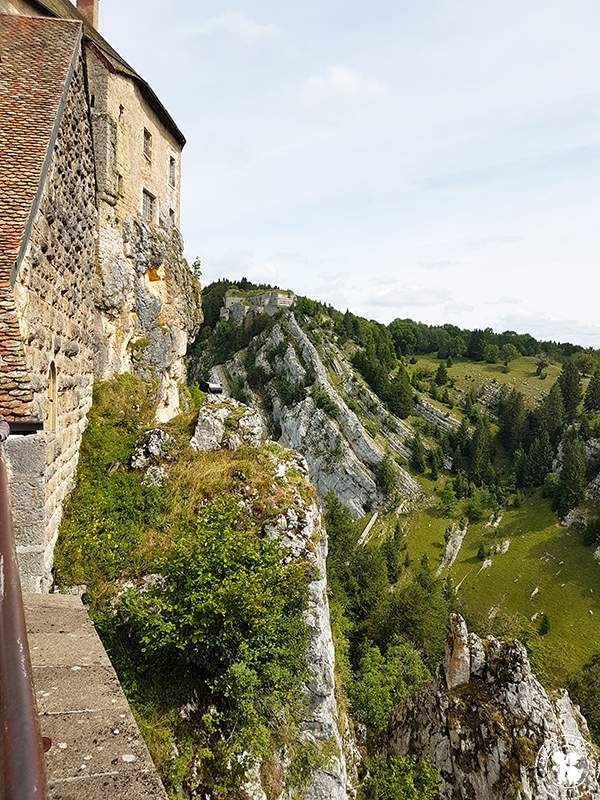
[(93, 742), (97, 752), (61, 690), (141, 786)]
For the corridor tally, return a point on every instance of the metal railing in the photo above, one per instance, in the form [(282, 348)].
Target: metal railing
[(22, 774)]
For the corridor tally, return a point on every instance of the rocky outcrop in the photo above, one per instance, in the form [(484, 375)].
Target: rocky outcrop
[(149, 304), (342, 455), (227, 425), (453, 540), (491, 729), (440, 419), (301, 532)]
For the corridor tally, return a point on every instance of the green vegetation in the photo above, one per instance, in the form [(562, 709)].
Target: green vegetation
[(399, 778), (219, 622), (389, 632)]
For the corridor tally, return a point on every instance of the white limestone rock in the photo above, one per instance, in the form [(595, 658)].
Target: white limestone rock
[(227, 425), (486, 720)]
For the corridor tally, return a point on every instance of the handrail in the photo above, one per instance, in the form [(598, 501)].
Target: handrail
[(22, 774)]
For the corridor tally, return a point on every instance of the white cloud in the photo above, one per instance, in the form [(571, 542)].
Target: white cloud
[(237, 25), (340, 81)]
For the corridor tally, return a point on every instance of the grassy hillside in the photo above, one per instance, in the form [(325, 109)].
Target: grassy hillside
[(497, 599), (470, 375)]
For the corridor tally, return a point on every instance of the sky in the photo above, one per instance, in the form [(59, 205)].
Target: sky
[(432, 159)]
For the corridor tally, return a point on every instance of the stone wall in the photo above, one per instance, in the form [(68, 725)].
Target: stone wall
[(55, 300), (120, 114)]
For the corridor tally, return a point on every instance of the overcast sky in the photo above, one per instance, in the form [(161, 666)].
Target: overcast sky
[(434, 159)]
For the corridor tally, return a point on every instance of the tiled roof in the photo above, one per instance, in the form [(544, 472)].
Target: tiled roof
[(65, 9), (37, 55)]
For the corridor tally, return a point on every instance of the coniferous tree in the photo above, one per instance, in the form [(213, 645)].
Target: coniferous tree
[(449, 499), (539, 460), (512, 416), (592, 396), (572, 483), (441, 376), (418, 454), (551, 414), (570, 385), (401, 396), (480, 452)]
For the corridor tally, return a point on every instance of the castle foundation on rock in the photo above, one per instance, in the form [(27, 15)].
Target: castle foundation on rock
[(93, 282)]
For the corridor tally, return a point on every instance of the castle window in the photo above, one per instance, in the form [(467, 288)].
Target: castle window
[(148, 144), (148, 205), (121, 112), (93, 101), (172, 170), (172, 216), (52, 400), (120, 185)]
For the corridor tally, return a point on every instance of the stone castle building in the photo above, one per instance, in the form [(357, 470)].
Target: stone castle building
[(92, 277)]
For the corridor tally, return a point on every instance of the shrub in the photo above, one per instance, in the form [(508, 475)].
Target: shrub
[(225, 625), (399, 778), (386, 475), (324, 402), (383, 681)]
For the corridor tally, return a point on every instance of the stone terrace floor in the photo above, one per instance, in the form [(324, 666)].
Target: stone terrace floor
[(97, 751)]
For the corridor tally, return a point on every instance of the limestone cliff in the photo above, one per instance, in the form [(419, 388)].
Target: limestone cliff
[(492, 730), (149, 305), (283, 373), (300, 530)]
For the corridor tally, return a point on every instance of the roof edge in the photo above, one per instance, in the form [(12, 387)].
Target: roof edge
[(49, 152), (151, 96)]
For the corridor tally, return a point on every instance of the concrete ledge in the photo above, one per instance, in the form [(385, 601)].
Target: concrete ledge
[(97, 751)]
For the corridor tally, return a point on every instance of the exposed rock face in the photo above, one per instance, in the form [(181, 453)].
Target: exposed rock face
[(149, 304), (342, 456), (300, 530), (227, 425), (486, 721), (454, 537), (441, 419)]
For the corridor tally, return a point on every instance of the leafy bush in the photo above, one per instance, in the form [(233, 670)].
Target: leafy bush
[(384, 680), (386, 475), (399, 778), (225, 624)]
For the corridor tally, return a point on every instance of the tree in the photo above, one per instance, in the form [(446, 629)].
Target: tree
[(512, 416), (541, 365), (508, 353), (570, 386), (401, 397), (491, 353), (551, 414), (571, 488), (383, 681), (539, 460), (481, 552), (435, 462), (592, 396), (544, 625), (480, 467), (417, 459), (441, 376), (449, 499), (386, 475)]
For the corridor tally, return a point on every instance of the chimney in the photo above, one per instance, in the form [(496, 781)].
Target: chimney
[(89, 11)]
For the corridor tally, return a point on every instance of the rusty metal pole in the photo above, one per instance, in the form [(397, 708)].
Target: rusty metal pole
[(22, 774)]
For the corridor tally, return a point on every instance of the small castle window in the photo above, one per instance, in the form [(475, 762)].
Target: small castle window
[(148, 205), (93, 101), (120, 185), (121, 112), (148, 144), (172, 170), (172, 216), (51, 409)]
